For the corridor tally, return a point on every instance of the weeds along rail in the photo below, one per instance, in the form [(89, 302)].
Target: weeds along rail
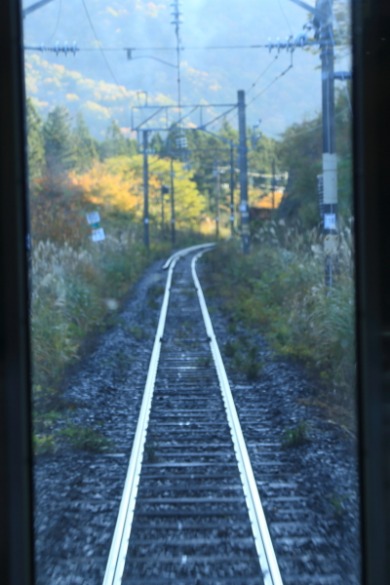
[(190, 510)]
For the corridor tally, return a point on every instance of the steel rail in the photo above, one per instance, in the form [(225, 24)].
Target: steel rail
[(120, 542), (184, 252), (267, 558)]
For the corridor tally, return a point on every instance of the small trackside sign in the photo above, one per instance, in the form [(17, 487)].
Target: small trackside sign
[(93, 217)]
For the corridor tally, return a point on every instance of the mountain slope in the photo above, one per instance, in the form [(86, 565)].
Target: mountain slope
[(102, 83)]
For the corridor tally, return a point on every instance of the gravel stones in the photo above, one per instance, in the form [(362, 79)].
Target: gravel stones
[(308, 490)]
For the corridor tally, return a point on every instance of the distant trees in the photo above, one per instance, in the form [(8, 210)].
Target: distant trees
[(71, 172), (35, 144), (60, 150), (116, 144), (63, 155), (300, 153), (58, 144), (85, 146)]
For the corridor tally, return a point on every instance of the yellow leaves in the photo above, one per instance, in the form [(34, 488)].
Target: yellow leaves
[(264, 199), (104, 187), (117, 185)]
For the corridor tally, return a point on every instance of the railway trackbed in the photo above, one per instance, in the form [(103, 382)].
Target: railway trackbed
[(190, 511), (308, 491)]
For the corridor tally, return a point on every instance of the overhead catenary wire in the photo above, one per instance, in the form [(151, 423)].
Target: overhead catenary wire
[(285, 16), (173, 49), (266, 88), (223, 115), (59, 14), (101, 50), (252, 87)]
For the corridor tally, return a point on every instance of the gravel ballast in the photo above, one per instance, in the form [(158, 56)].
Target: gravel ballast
[(78, 488)]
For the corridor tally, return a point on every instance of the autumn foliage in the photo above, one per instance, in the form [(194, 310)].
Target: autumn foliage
[(108, 189)]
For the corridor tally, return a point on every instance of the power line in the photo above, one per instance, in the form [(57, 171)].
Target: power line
[(268, 46), (223, 115), (282, 74), (154, 59), (285, 16), (262, 74), (120, 86), (59, 14)]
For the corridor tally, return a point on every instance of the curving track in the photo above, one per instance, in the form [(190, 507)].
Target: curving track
[(190, 511)]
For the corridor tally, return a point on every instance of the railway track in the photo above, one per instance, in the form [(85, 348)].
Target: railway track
[(190, 511)]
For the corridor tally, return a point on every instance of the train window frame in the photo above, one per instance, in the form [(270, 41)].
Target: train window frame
[(16, 486), (371, 92), (371, 48)]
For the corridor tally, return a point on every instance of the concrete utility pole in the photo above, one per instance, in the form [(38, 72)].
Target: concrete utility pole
[(173, 218), (217, 198), (273, 184), (323, 23), (231, 187), (146, 187), (329, 160), (243, 166)]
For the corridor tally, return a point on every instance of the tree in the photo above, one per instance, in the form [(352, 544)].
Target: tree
[(116, 144), (85, 146), (300, 152), (190, 204), (157, 144), (111, 184), (59, 144), (35, 144)]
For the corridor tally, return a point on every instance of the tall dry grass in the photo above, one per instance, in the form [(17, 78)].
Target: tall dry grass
[(279, 290)]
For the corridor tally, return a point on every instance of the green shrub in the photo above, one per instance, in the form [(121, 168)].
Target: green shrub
[(43, 444), (85, 438), (279, 291), (295, 436)]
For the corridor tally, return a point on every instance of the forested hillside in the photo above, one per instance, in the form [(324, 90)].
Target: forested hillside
[(223, 51)]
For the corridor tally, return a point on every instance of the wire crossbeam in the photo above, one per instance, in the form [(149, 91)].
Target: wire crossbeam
[(187, 111), (35, 6), (58, 49)]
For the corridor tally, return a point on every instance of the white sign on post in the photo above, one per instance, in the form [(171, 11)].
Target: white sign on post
[(93, 217), (98, 235), (330, 221)]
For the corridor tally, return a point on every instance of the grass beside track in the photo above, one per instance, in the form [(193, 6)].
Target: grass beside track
[(76, 294), (278, 290)]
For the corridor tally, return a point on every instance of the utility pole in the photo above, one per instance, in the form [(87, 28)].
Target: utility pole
[(329, 160), (176, 14), (243, 165), (273, 184), (173, 219), (146, 187), (217, 199), (164, 191), (231, 186), (323, 23)]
